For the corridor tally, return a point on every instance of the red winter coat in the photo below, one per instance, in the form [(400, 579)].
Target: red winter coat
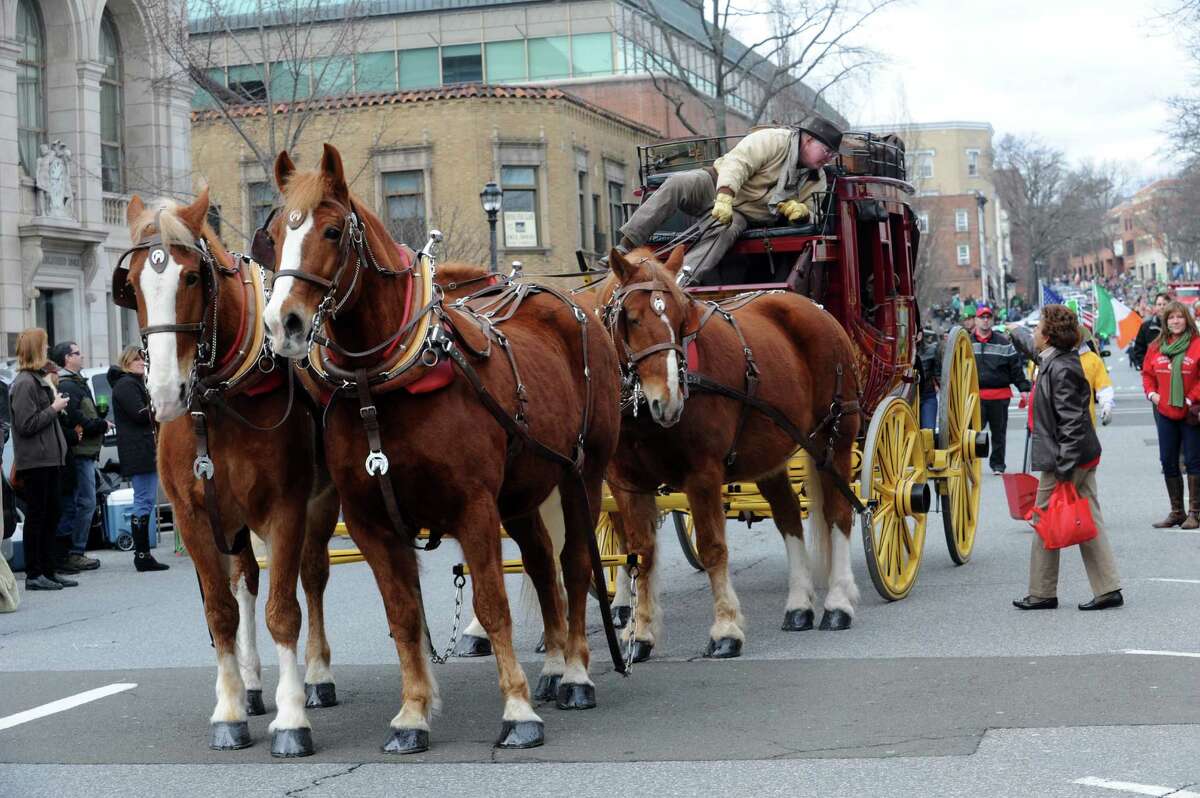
[(1156, 378)]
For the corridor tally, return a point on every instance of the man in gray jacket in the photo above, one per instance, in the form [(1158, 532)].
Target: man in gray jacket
[(769, 176)]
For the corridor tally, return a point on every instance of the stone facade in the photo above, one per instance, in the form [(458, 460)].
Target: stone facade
[(567, 167), (67, 68)]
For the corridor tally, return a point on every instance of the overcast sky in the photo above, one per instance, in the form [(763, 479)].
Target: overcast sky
[(1089, 76)]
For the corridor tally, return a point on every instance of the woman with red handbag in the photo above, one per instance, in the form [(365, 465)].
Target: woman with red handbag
[(1171, 380), (1065, 449)]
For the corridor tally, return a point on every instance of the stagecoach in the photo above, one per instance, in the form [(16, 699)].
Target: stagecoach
[(855, 257)]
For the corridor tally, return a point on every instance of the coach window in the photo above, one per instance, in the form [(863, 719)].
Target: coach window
[(31, 84), (112, 122), (520, 206)]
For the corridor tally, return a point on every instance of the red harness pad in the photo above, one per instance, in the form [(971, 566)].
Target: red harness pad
[(434, 379), (268, 383), (693, 356)]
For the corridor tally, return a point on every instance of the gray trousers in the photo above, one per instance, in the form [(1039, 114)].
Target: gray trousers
[(693, 192), (1098, 558)]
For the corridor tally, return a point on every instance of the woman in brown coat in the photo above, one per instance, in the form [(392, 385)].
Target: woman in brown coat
[(1065, 448), (39, 450)]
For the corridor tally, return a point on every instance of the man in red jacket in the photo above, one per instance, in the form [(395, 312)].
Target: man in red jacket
[(1000, 366)]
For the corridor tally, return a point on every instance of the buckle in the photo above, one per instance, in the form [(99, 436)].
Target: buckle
[(367, 413)]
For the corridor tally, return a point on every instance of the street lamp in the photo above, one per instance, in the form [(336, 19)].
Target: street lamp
[(491, 198)]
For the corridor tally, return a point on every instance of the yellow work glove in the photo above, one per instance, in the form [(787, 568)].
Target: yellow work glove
[(794, 210), (723, 208)]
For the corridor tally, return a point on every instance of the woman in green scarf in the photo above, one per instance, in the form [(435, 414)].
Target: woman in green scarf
[(1171, 379)]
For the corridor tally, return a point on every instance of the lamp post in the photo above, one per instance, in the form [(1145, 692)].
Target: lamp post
[(490, 198)]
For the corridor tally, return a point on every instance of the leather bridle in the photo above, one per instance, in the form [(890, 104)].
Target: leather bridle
[(614, 315)]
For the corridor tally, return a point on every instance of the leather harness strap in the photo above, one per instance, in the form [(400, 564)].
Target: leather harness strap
[(204, 471)]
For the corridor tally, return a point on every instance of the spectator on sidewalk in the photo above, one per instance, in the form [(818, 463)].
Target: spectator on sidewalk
[(1171, 380), (39, 451), (1000, 366), (1151, 327), (79, 504), (136, 450), (1064, 448)]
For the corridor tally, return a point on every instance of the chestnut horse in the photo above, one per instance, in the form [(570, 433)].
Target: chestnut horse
[(788, 353), (458, 460), (201, 317)]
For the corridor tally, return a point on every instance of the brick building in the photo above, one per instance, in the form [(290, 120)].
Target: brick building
[(1135, 238), (566, 167)]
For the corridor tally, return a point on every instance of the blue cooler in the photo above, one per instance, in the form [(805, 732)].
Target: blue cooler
[(118, 512)]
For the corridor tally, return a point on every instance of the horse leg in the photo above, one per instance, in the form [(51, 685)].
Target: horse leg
[(228, 729), (843, 592), (394, 565), (319, 688), (622, 600), (580, 509), (480, 541), (638, 513), (243, 580), (785, 508), (726, 636), (538, 548), (291, 733)]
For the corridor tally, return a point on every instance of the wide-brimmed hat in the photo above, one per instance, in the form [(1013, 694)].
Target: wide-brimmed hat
[(823, 131)]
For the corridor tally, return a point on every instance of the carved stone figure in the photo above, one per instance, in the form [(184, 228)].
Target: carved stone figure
[(53, 180)]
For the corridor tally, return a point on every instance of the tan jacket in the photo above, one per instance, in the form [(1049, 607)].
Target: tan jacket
[(751, 170)]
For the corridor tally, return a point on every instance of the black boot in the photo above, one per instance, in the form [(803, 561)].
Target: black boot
[(142, 559), (1193, 516), (1175, 492)]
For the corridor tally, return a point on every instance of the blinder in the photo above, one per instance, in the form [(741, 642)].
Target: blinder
[(262, 247)]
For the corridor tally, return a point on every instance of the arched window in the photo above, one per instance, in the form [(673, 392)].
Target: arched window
[(31, 84), (112, 118)]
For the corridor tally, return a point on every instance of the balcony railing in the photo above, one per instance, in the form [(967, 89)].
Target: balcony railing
[(114, 209)]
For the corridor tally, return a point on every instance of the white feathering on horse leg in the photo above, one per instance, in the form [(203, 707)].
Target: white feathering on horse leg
[(246, 643), (518, 709), (843, 592), (576, 673), (289, 694), (554, 664), (818, 530), (231, 693), (317, 671), (800, 583), (727, 611), (475, 628)]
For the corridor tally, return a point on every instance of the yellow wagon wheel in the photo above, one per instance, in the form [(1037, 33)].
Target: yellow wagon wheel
[(610, 545), (893, 476), (685, 530), (958, 427)]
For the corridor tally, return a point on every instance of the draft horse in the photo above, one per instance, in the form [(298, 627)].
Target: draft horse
[(732, 390), (445, 418), (233, 454)]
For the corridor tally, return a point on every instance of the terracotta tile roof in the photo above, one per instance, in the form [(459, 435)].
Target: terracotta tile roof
[(462, 91)]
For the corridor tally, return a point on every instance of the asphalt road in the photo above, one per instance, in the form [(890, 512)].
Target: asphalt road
[(949, 692)]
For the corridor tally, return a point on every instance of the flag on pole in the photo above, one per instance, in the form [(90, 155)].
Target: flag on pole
[(1050, 296), (1115, 318)]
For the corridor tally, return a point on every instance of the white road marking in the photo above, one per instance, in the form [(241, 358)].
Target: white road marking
[(1181, 581), (1149, 653), (63, 704), (1134, 787)]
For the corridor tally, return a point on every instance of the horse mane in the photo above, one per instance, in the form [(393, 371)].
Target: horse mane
[(645, 257), (171, 228)]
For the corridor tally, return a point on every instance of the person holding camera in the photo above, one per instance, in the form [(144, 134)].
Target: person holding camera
[(39, 451), (1171, 380)]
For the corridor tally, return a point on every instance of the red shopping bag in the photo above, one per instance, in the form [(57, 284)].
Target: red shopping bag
[(1066, 520)]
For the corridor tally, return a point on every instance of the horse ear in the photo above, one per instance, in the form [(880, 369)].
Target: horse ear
[(331, 165), (284, 167), (619, 266), (193, 215), (675, 261), (134, 210)]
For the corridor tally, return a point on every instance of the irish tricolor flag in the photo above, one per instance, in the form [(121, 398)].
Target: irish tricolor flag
[(1115, 318)]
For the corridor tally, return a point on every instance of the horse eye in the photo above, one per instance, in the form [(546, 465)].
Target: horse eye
[(192, 278), (333, 233), (634, 322)]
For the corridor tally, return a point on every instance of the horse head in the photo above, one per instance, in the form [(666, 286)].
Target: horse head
[(314, 243), (648, 315), (167, 281)]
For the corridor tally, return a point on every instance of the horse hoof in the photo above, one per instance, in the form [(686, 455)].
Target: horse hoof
[(521, 734), (540, 648), (407, 741), (323, 694), (835, 620), (641, 650), (254, 703), (547, 687), (798, 620), (576, 696), (291, 743), (226, 736), (472, 646), (621, 616), (725, 648)]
